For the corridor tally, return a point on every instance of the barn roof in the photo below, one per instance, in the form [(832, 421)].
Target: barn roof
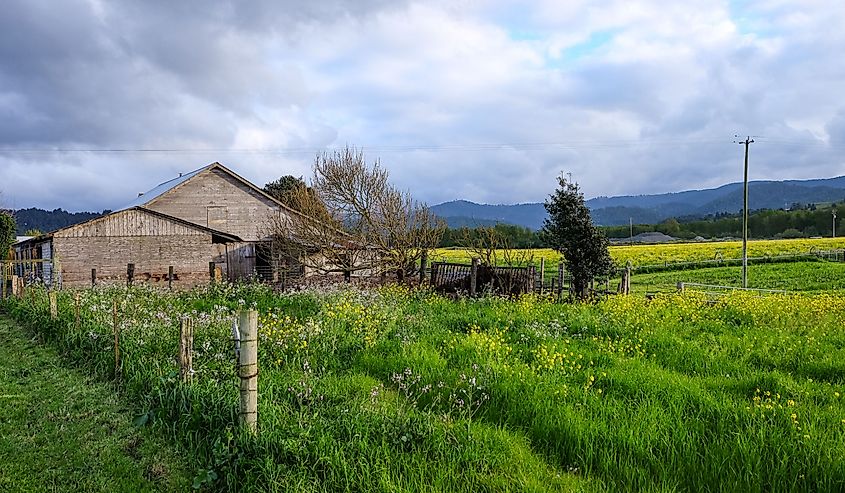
[(163, 188), (169, 185)]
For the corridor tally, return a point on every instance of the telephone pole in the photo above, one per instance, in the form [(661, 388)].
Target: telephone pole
[(834, 221), (747, 142)]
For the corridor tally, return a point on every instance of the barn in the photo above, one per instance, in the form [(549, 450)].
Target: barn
[(206, 223)]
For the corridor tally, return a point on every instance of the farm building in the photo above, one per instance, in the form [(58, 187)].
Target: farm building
[(207, 222)]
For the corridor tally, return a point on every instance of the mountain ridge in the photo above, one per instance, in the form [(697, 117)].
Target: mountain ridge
[(653, 208)]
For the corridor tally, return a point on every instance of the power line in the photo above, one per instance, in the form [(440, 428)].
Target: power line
[(458, 147), (375, 148)]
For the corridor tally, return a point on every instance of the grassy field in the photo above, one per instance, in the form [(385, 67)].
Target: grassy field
[(61, 431), (793, 276), (393, 390), (642, 255)]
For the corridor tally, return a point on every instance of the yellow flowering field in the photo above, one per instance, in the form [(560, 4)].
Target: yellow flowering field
[(641, 255)]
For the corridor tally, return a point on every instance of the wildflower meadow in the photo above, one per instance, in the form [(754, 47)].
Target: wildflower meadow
[(393, 389)]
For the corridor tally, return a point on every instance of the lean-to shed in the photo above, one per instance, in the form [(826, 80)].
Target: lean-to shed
[(151, 241)]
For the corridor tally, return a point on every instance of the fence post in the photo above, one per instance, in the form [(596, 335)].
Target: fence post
[(170, 278), (76, 309), (130, 274), (248, 369), (116, 330), (625, 285), (433, 277), (423, 265), (3, 283), (93, 277), (54, 309), (473, 277), (680, 287), (542, 274), (186, 349), (560, 272)]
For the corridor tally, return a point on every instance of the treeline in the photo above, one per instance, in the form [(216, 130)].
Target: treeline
[(513, 236), (800, 221), (32, 219)]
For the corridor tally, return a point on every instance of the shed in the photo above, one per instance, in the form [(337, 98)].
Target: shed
[(150, 240)]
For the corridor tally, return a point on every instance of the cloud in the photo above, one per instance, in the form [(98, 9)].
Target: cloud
[(487, 101)]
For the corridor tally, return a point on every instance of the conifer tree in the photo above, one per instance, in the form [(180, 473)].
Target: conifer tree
[(569, 229)]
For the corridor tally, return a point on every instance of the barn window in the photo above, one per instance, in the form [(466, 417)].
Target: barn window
[(217, 216)]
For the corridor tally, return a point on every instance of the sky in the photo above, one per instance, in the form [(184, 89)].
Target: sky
[(486, 101)]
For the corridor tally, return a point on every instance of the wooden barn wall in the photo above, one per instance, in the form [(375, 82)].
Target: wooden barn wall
[(129, 223), (218, 201), (152, 255)]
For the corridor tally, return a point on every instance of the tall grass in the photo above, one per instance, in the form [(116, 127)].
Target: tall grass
[(394, 390)]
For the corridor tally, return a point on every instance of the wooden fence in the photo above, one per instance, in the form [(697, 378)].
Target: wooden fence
[(834, 255), (474, 278)]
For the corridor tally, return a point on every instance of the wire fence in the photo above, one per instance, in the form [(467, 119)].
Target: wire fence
[(126, 334)]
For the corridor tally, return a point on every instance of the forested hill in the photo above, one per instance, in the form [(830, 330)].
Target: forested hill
[(650, 209), (46, 221)]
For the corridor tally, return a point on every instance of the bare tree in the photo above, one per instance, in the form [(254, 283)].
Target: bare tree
[(494, 249), (352, 220)]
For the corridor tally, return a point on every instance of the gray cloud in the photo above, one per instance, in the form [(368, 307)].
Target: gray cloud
[(630, 100)]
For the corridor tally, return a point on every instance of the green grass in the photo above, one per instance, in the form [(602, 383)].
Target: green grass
[(795, 276), (62, 431), (392, 390)]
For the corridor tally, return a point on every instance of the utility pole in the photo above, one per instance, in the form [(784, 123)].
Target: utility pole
[(747, 142), (834, 221), (631, 220)]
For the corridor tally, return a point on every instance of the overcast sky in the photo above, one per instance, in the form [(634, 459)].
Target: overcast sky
[(485, 101)]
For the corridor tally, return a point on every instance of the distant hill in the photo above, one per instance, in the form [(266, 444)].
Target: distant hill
[(464, 212), (650, 209), (47, 221)]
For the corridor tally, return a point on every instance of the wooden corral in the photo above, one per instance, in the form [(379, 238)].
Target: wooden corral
[(454, 278)]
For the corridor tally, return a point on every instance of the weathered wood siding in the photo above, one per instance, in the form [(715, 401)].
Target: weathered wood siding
[(150, 242), (131, 222), (219, 201), (152, 256)]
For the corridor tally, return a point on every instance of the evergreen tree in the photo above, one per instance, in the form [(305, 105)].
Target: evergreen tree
[(281, 189), (7, 233), (569, 230)]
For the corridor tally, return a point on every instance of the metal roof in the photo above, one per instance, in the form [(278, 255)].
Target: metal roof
[(163, 188)]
